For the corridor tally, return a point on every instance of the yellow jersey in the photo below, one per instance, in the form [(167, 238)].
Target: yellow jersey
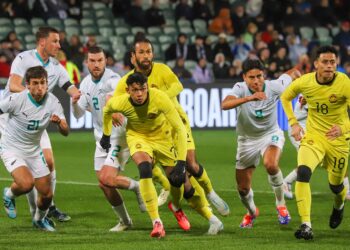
[(327, 103), (150, 120)]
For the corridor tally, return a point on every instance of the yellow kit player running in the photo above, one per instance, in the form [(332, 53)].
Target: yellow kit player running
[(151, 118), (161, 77), (327, 93)]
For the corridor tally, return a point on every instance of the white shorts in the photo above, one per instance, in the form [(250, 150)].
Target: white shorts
[(117, 156), (250, 149), (3, 122), (36, 163), (45, 142)]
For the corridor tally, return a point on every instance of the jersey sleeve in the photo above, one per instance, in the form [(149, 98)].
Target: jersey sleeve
[(111, 84), (112, 106), (174, 86), (286, 99), (57, 108), (175, 121), (8, 104), (19, 66), (345, 128), (237, 90), (280, 84)]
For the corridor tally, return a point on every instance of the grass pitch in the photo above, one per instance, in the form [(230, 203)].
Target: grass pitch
[(78, 194)]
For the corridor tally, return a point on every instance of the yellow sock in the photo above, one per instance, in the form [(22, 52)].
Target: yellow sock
[(197, 203), (205, 182), (199, 189), (159, 177), (303, 199), (177, 194), (149, 197), (339, 199)]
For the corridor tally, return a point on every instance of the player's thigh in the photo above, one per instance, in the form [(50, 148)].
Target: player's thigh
[(38, 166), (248, 153), (3, 122), (140, 149), (244, 178), (310, 153), (164, 152), (336, 163)]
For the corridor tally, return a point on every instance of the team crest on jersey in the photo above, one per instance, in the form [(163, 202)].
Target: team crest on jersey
[(152, 115), (333, 98), (46, 115), (274, 138), (138, 146)]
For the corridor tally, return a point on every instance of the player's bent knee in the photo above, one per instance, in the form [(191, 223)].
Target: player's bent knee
[(336, 189), (26, 184), (243, 192), (304, 173), (145, 170), (188, 194)]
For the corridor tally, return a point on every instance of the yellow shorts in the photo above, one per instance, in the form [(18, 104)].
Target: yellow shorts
[(332, 154), (161, 150)]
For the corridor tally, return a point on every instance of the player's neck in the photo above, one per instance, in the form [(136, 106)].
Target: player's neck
[(44, 57), (145, 72), (325, 81)]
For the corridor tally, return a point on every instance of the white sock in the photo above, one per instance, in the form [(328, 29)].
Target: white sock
[(307, 224), (40, 214), (346, 184), (122, 213), (133, 185), (32, 197), (248, 202), (212, 195), (10, 194), (291, 177), (276, 182), (213, 219), (53, 184)]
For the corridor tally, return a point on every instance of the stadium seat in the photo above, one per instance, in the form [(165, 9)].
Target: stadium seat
[(325, 40), (154, 30), (129, 39), (186, 30), (70, 22), (30, 46), (118, 22), (72, 31), (306, 33), (106, 47), (170, 22), (190, 65), (153, 39), (335, 30), (88, 14), (87, 22), (171, 63), (104, 23), (122, 31), (54, 22), (23, 30), (20, 22), (90, 30), (37, 22), (183, 23), (322, 32), (165, 39), (5, 29), (169, 30), (213, 38), (200, 26), (102, 39), (106, 31), (87, 5), (116, 40), (5, 22), (165, 46), (29, 38), (119, 53), (104, 14), (98, 5), (134, 30)]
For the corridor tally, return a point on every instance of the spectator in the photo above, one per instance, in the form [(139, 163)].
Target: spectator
[(222, 46), (253, 7), (50, 9), (201, 10), (115, 66), (221, 4), (239, 20), (64, 43), (136, 16), (4, 67), (220, 67), (304, 64), (6, 9), (236, 71), (222, 23), (74, 9), (324, 14), (21, 9), (178, 49), (342, 40), (248, 36), (264, 56), (91, 42), (276, 42), (240, 49), (10, 37), (295, 49), (202, 74), (198, 50), (180, 71), (72, 69), (76, 51), (120, 7), (154, 15), (266, 35), (183, 11), (282, 62), (17, 47), (347, 68)]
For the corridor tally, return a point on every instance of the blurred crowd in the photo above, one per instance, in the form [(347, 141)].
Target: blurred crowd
[(235, 30)]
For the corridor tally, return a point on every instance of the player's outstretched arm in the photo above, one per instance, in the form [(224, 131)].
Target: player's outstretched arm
[(61, 124), (231, 102), (16, 83), (293, 73), (74, 93)]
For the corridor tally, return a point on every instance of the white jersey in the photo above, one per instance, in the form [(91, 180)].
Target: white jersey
[(27, 121), (258, 118), (93, 98), (300, 112), (57, 74)]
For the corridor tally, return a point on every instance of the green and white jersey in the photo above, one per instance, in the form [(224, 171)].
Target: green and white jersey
[(57, 74), (93, 98), (27, 121), (257, 118)]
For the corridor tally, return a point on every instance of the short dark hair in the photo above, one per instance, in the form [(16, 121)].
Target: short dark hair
[(326, 49), (136, 78), (35, 72), (250, 64), (95, 50), (44, 32), (141, 40)]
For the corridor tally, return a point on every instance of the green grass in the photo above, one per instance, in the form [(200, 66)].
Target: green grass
[(92, 215)]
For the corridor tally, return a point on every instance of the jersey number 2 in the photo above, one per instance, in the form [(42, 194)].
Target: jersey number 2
[(95, 103)]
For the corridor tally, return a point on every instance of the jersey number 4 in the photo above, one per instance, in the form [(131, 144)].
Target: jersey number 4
[(33, 125)]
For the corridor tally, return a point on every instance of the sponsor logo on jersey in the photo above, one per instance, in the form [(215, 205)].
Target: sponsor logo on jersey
[(310, 142), (333, 98), (152, 115), (138, 146)]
